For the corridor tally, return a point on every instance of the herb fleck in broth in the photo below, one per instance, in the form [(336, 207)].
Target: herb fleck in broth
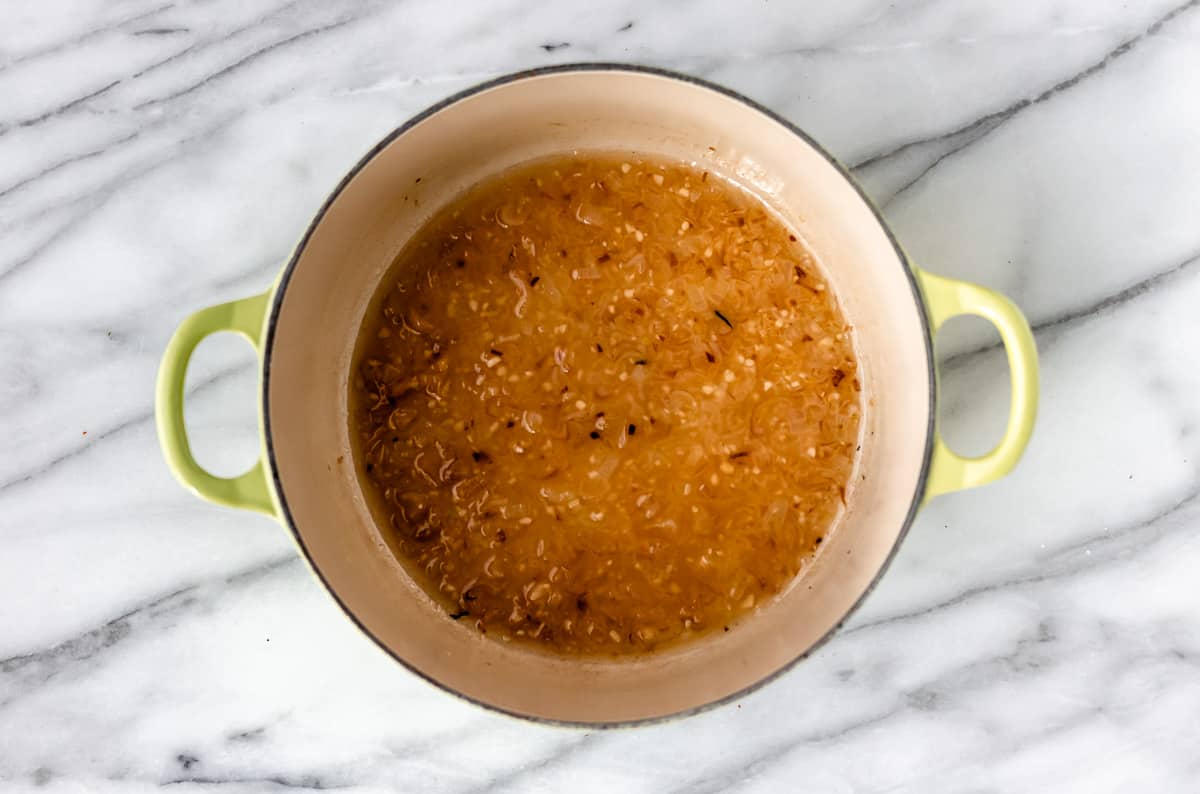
[(605, 404)]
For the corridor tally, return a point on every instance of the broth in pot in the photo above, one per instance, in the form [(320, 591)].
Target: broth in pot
[(604, 404)]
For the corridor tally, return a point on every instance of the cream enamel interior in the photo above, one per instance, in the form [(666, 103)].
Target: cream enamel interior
[(366, 225)]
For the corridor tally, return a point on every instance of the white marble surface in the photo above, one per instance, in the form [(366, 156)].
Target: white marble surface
[(1042, 634)]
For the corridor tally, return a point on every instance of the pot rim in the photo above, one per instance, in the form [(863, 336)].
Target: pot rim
[(569, 68)]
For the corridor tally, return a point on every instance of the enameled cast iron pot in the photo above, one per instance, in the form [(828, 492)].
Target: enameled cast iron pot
[(304, 329)]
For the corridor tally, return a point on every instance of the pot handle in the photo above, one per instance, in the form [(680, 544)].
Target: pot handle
[(248, 491), (946, 298)]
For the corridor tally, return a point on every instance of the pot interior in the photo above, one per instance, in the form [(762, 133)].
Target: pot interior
[(334, 276)]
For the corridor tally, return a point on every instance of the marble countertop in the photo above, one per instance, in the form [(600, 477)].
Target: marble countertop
[(1039, 634)]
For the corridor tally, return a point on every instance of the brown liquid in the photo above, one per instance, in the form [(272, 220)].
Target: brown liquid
[(605, 404)]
